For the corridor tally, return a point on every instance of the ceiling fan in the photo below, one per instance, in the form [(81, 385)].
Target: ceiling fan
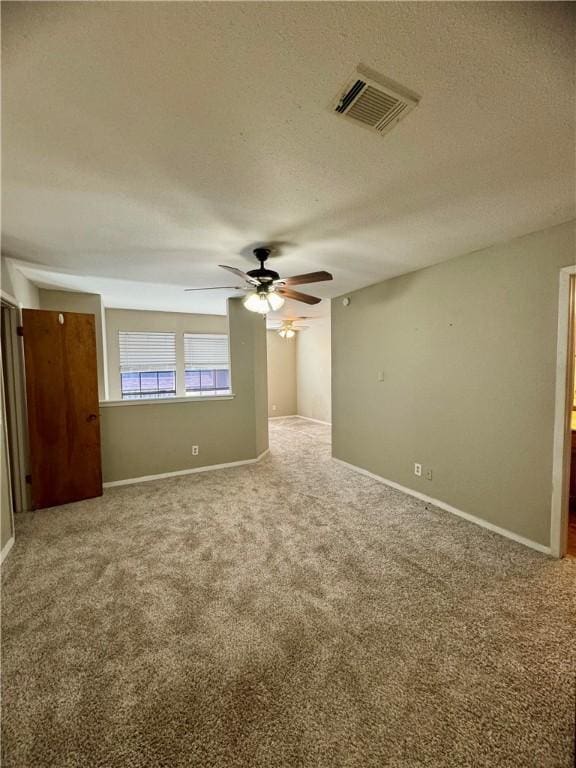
[(267, 290), (287, 330)]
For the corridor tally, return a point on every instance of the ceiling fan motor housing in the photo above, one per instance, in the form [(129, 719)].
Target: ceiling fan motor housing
[(262, 253), (263, 274)]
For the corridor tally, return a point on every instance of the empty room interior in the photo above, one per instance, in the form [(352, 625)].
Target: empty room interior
[(288, 335)]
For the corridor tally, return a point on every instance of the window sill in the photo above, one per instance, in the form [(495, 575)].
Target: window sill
[(166, 400)]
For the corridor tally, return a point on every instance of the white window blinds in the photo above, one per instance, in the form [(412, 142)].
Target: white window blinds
[(147, 351), (206, 351)]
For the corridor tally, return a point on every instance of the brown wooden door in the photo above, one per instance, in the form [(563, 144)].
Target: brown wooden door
[(62, 402)]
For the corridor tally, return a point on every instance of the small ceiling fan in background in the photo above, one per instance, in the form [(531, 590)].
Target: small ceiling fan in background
[(287, 329), (267, 290)]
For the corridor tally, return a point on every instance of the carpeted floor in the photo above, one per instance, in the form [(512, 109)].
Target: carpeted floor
[(290, 613)]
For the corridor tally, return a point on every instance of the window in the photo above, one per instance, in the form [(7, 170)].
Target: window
[(207, 364), (153, 366), (147, 365)]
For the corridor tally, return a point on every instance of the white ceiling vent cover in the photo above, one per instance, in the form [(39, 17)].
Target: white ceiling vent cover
[(374, 101)]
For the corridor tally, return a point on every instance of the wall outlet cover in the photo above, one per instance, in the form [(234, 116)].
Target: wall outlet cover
[(418, 470)]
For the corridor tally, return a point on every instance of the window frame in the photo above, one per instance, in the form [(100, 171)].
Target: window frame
[(180, 393), (214, 391), (168, 348)]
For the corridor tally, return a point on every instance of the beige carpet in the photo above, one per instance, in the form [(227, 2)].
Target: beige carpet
[(291, 613)]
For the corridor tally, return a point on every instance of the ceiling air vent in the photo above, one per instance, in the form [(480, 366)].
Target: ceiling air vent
[(375, 101)]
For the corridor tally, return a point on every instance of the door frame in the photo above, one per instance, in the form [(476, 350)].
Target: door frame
[(563, 410), (13, 365), (7, 456)]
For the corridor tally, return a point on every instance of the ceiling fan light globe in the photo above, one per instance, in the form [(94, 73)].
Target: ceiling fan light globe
[(290, 333), (251, 301), (282, 333), (264, 307), (256, 302), (275, 300)]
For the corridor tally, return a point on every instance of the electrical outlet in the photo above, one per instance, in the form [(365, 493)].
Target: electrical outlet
[(429, 474), (418, 470), (273, 407), (380, 375), (194, 450)]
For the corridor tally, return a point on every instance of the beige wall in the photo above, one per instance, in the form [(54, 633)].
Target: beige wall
[(467, 350), (260, 379), (314, 370), (19, 287), (281, 375), (138, 320), (88, 304), (140, 439)]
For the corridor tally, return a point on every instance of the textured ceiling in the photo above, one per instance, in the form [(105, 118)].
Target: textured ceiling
[(152, 141)]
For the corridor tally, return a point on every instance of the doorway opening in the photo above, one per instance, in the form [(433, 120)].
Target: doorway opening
[(299, 366)]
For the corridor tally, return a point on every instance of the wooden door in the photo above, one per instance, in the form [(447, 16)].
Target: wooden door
[(62, 403)]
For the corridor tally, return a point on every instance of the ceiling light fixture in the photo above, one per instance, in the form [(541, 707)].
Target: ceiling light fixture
[(263, 300), (267, 289), (287, 329)]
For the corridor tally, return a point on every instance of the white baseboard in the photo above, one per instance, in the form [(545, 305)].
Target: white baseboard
[(309, 418), (449, 508), (178, 473), (297, 416), (7, 547)]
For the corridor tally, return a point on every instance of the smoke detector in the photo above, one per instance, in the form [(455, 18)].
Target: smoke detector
[(374, 101)]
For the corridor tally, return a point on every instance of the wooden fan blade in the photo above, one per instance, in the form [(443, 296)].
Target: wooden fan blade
[(218, 288), (297, 296), (311, 277), (241, 274)]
